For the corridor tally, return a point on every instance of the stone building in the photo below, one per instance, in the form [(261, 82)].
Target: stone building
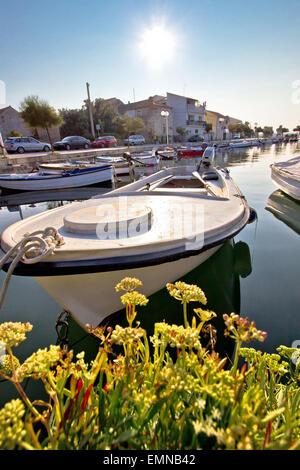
[(10, 120), (150, 112)]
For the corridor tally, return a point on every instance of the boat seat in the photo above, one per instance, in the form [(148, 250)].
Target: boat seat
[(209, 175)]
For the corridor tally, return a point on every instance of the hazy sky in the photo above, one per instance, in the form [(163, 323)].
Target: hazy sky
[(242, 58)]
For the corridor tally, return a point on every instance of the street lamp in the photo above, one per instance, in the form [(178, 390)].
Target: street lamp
[(165, 114)]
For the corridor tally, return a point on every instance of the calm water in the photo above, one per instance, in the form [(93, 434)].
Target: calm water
[(257, 275)]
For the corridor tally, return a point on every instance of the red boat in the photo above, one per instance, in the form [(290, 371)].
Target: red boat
[(191, 152)]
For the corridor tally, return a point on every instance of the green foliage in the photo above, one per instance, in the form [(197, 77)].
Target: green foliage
[(38, 113), (241, 128), (268, 131), (208, 127), (180, 130), (15, 133), (75, 122), (134, 397), (128, 125)]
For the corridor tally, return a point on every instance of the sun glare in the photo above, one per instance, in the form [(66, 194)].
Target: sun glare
[(157, 46)]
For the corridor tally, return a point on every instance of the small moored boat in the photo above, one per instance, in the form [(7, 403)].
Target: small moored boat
[(286, 175), (121, 166), (57, 176), (240, 144), (187, 152)]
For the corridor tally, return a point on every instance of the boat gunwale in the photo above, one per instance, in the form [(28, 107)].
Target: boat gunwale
[(94, 265)]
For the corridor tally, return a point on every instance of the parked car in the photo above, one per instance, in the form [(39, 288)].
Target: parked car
[(72, 142), (135, 140), (195, 138), (105, 141), (26, 144)]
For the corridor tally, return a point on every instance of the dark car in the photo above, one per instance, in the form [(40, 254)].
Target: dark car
[(195, 138), (105, 141), (72, 142)]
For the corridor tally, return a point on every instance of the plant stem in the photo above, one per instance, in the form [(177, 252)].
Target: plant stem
[(186, 324)]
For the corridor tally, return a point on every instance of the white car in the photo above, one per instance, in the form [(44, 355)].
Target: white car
[(135, 140), (26, 144)]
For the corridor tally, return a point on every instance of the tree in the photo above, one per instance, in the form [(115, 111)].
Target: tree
[(105, 114), (297, 129), (268, 131), (180, 131), (38, 113), (241, 128), (281, 129), (128, 125), (15, 133), (208, 127), (75, 122)]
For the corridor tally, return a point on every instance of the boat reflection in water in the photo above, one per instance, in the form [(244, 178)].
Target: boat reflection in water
[(285, 208), (218, 277)]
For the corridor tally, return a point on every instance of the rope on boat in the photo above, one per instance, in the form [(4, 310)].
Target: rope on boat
[(33, 248)]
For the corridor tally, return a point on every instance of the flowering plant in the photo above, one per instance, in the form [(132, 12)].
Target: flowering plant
[(180, 396)]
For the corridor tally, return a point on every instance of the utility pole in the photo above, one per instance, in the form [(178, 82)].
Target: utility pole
[(90, 110)]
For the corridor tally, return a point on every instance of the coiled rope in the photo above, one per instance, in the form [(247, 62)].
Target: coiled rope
[(31, 249)]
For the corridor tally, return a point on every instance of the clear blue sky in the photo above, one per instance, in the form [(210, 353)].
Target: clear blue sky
[(240, 57)]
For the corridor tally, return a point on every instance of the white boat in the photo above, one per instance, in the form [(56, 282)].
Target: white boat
[(144, 158), (286, 175), (238, 144), (121, 166), (55, 178), (166, 153), (156, 229)]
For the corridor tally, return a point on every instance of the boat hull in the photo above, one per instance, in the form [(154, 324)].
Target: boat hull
[(56, 182), (187, 153), (90, 298)]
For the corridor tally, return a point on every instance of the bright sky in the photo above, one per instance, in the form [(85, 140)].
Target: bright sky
[(242, 58)]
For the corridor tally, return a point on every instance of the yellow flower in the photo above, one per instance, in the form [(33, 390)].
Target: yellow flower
[(13, 333), (134, 298), (12, 430), (186, 292), (128, 284), (204, 315), (40, 362), (5, 364)]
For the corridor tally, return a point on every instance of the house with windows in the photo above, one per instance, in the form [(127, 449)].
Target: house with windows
[(157, 126), (188, 113), (220, 124), (10, 120)]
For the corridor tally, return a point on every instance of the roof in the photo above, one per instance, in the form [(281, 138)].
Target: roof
[(216, 113), (2, 110), (181, 96), (142, 104)]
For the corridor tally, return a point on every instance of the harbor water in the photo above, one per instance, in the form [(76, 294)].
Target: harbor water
[(256, 275)]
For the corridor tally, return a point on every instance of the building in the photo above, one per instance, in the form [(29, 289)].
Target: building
[(10, 120), (149, 111), (220, 124), (188, 113)]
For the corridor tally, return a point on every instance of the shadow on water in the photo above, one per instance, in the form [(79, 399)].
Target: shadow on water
[(285, 208)]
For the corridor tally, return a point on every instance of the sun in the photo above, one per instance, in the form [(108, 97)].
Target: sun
[(157, 46)]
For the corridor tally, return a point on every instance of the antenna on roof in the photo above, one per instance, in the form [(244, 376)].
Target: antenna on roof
[(133, 95)]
